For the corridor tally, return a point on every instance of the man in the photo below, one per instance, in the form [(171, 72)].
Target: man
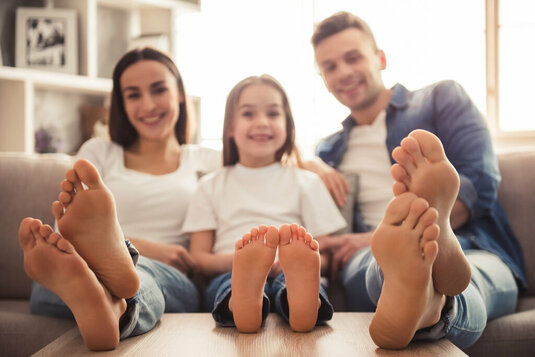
[(350, 64)]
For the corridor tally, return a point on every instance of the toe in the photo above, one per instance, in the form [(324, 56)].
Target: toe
[(430, 145), (398, 208), (428, 218), (246, 239), (65, 198), (301, 231), (239, 244), (73, 178), (285, 234), (35, 227), (398, 188), (57, 210), (404, 159), (272, 237), (418, 207), (314, 245), (254, 233), (262, 229), (46, 231), (87, 173), (294, 228), (411, 146), (67, 186), (26, 239), (63, 244)]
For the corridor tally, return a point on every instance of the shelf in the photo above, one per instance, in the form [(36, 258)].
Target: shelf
[(58, 81)]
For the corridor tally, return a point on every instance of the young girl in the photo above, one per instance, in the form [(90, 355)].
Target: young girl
[(256, 188)]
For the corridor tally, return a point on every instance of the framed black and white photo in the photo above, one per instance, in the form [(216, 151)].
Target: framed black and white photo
[(47, 39)]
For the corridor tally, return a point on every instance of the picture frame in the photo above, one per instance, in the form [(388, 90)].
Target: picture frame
[(47, 39)]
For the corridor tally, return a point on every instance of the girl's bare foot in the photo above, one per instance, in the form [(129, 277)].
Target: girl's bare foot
[(253, 259), (423, 168), (87, 219), (300, 261), (405, 247), (54, 263)]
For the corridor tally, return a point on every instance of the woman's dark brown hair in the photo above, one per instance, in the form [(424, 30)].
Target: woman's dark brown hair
[(288, 153), (121, 131)]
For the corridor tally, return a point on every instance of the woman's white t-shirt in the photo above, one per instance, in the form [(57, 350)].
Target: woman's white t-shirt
[(236, 198), (151, 207)]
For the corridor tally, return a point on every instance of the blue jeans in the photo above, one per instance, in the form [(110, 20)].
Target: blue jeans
[(219, 290), (492, 293), (162, 289)]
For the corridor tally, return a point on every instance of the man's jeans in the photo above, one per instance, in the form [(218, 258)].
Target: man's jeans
[(492, 293), (219, 290), (162, 289)]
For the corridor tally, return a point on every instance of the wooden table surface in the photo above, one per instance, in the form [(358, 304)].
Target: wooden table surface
[(197, 335)]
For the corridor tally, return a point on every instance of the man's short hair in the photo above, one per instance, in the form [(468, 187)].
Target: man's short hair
[(338, 22)]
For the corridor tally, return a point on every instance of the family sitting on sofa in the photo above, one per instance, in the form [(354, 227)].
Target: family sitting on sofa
[(431, 253)]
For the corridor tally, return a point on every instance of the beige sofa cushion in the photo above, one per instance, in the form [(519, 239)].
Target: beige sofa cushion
[(28, 185), (517, 195)]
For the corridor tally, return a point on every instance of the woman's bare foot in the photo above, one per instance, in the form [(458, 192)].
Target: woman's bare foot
[(54, 263), (253, 259), (405, 247), (424, 169), (87, 219), (300, 261)]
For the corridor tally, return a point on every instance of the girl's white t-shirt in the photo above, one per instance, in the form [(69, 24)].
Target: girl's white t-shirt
[(236, 198), (151, 207)]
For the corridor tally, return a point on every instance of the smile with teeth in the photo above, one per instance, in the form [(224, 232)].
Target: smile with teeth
[(260, 137), (151, 119)]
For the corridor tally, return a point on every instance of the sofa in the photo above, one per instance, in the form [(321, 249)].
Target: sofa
[(30, 182)]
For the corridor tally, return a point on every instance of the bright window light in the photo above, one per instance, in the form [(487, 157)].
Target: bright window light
[(424, 41), (516, 58)]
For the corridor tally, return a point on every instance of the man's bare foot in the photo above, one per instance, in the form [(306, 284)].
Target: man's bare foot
[(424, 169), (87, 219), (54, 263), (253, 258), (300, 261), (405, 247)]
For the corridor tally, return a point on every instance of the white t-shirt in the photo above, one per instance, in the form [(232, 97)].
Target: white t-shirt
[(236, 198), (368, 157), (151, 207)]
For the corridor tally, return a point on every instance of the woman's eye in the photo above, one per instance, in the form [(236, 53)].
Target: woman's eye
[(132, 95)]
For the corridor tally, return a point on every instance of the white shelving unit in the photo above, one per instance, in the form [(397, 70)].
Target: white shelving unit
[(105, 26)]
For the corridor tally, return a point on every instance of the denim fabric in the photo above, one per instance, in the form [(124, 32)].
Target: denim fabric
[(492, 292), (219, 291), (445, 109), (162, 289)]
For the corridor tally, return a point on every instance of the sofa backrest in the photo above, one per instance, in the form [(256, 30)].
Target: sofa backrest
[(28, 185), (517, 195)]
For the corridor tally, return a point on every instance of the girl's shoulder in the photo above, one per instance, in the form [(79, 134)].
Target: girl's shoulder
[(204, 158)]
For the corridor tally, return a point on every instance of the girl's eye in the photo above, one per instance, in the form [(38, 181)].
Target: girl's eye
[(247, 114), (160, 90), (274, 114)]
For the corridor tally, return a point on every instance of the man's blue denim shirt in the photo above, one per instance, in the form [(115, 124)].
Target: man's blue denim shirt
[(445, 109)]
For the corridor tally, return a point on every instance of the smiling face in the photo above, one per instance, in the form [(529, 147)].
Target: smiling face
[(351, 68), (259, 125), (151, 100)]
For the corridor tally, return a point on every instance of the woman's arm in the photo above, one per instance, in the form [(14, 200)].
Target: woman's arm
[(210, 264), (171, 254)]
